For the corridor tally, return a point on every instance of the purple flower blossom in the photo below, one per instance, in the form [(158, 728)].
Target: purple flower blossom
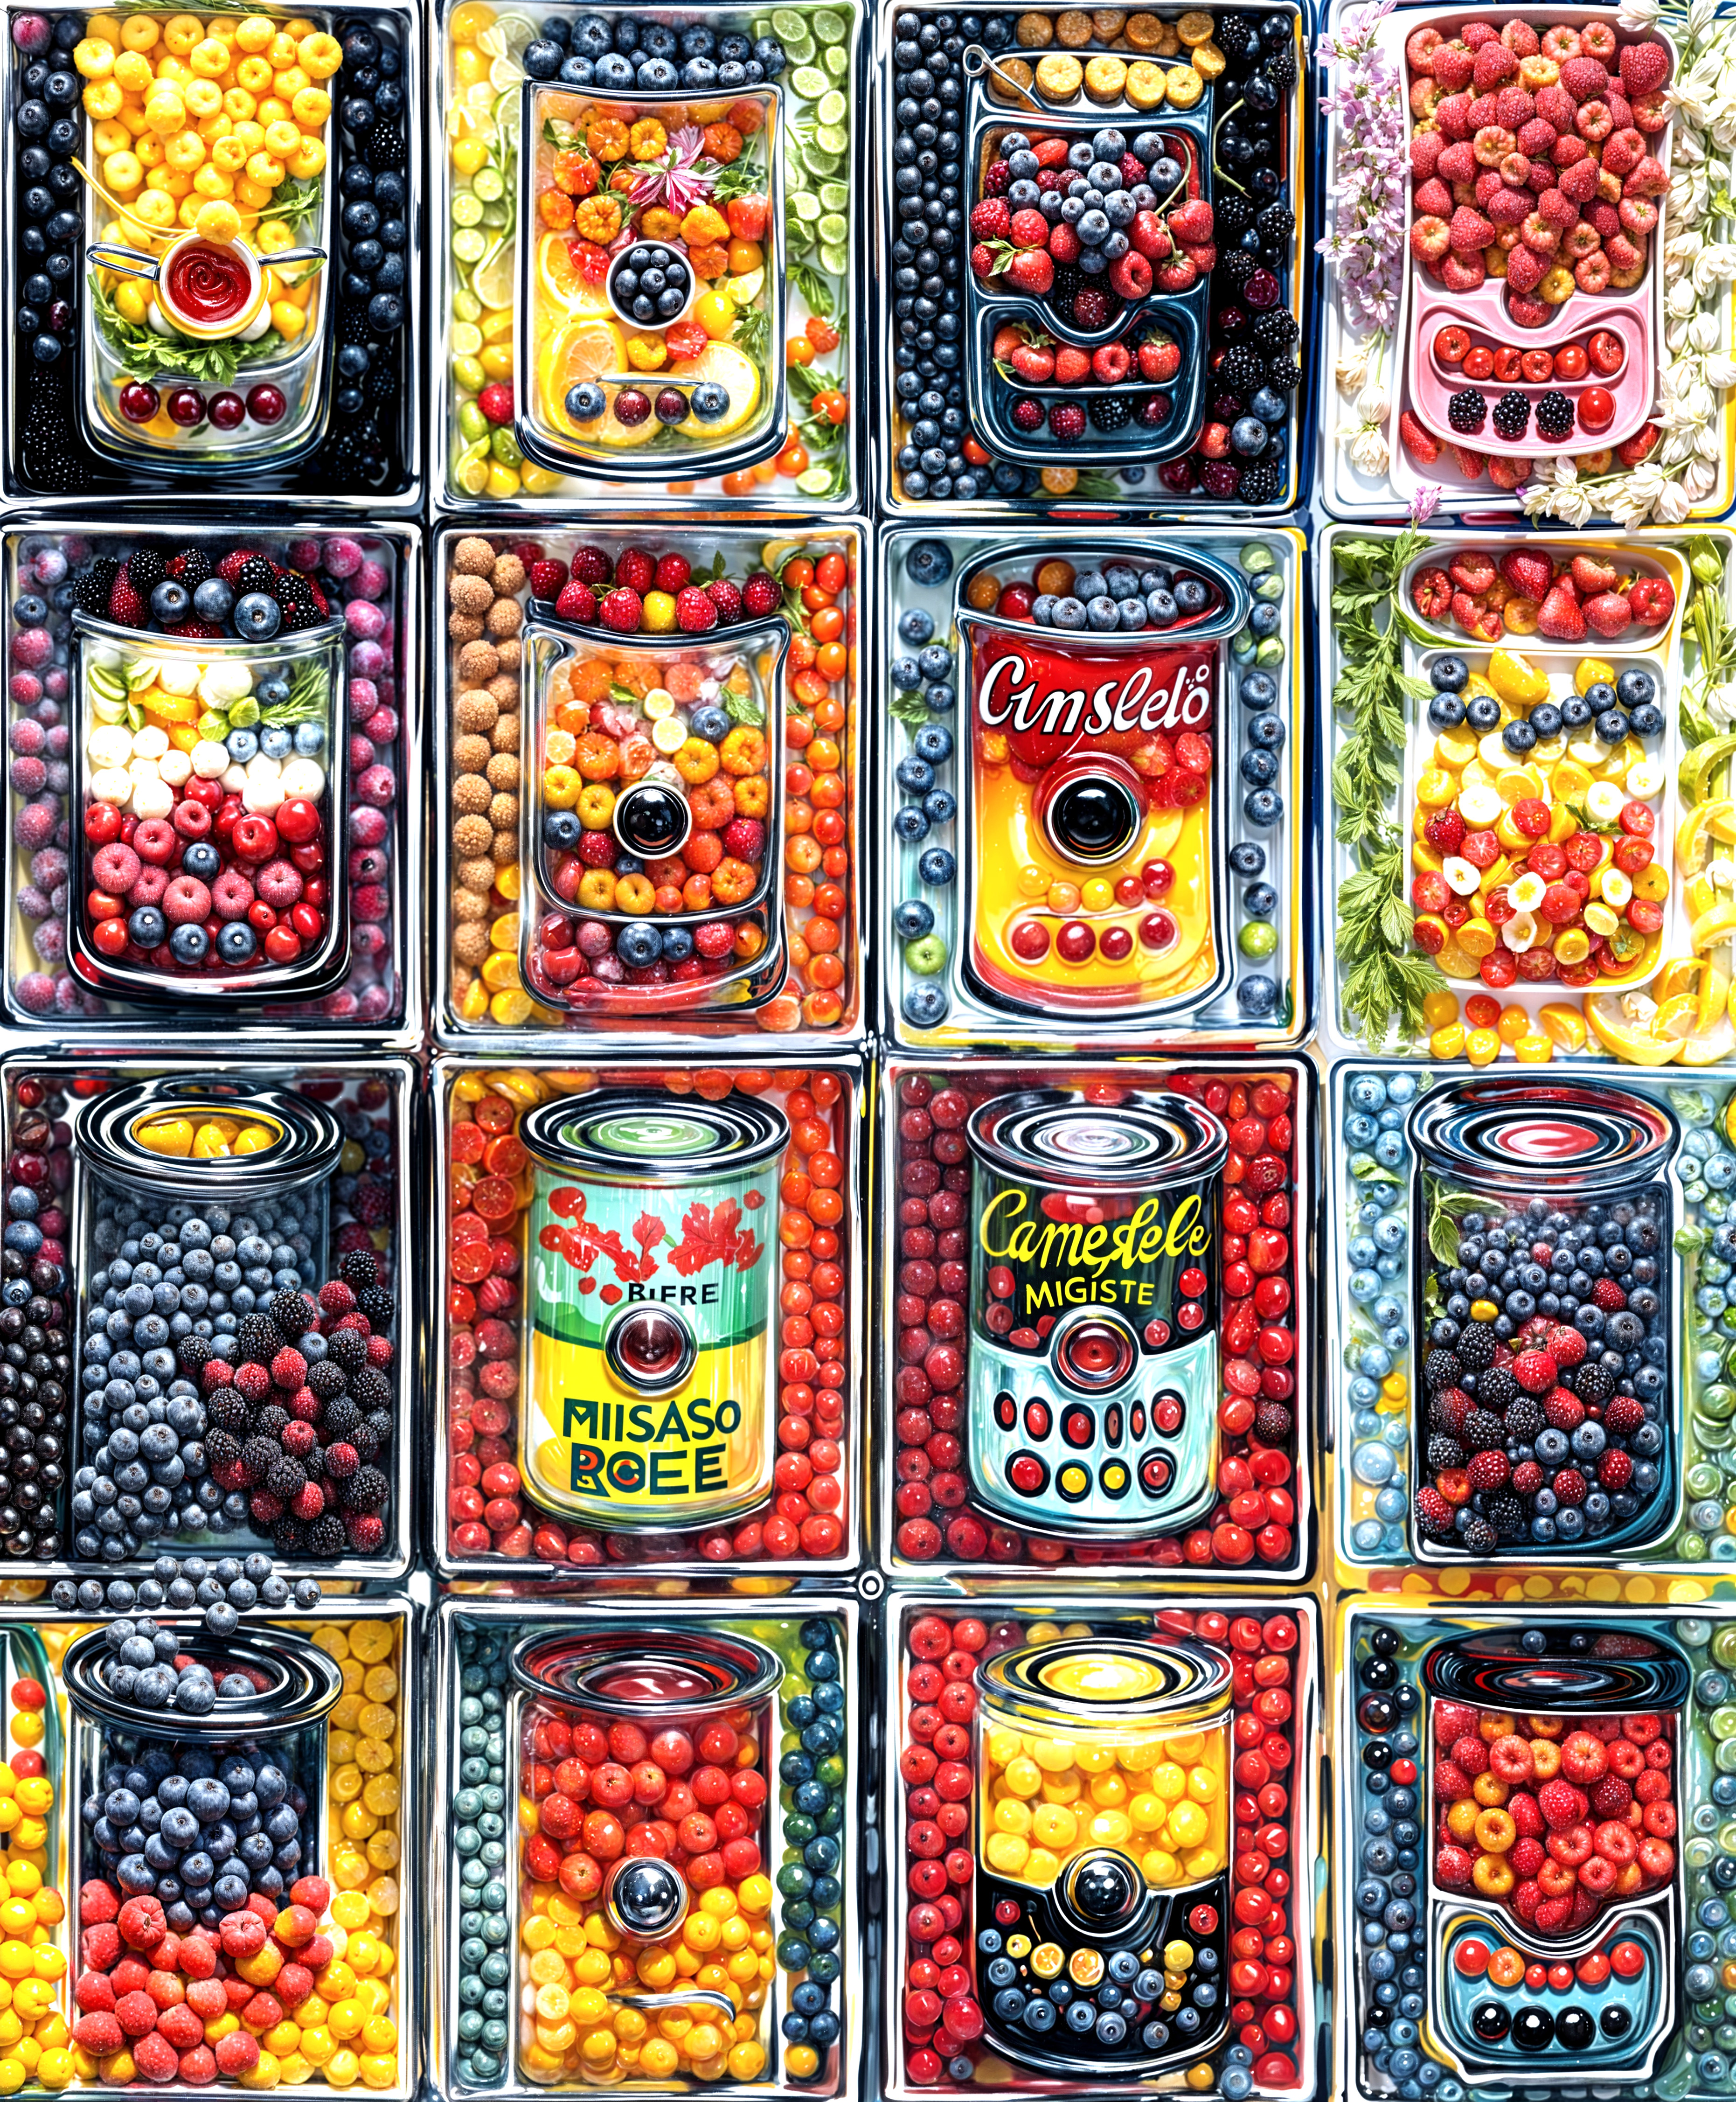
[(1365, 247)]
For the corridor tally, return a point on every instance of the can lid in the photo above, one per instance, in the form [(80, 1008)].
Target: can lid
[(632, 1667), (303, 1683), (305, 1145), (1063, 1139), (1110, 1679), (1542, 1669), (1535, 1138), (647, 1136)]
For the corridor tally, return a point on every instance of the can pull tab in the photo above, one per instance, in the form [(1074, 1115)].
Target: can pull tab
[(977, 61), (648, 1899)]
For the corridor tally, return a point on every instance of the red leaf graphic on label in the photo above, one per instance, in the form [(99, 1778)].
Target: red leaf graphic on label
[(719, 1236)]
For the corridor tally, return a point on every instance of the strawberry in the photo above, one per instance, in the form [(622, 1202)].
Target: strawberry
[(1560, 618), (1450, 1785), (1652, 600), (1644, 67), (1561, 1802), (1031, 271), (1632, 450), (1130, 276), (1159, 358), (762, 594), (694, 611), (1611, 1797), (1590, 575), (590, 565), (1176, 275), (125, 605), (1566, 1346), (1494, 65), (1446, 830), (984, 260), (1150, 236), (622, 610), (197, 631), (576, 602), (1424, 446), (635, 571), (1470, 232), (1033, 363), (1585, 79), (547, 578), (1191, 222), (1110, 363), (673, 572), (991, 220), (495, 401), (1453, 1719), (1529, 573), (1535, 1370), (1607, 1294), (727, 598), (1030, 229), (1608, 615), (1071, 366), (1065, 244)]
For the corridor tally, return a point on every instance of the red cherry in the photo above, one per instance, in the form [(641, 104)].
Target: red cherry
[(200, 789), (266, 405), (1597, 409), (186, 406), (138, 402), (102, 823), (260, 916), (228, 412), (109, 936), (1076, 942), (310, 860), (255, 838), (307, 922), (283, 945), (298, 820)]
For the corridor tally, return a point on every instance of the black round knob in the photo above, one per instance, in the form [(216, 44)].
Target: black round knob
[(1102, 1888), (652, 819), (1093, 819)]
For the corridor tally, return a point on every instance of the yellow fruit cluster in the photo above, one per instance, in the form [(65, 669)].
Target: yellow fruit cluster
[(571, 1961), (220, 108), (36, 2043), (1161, 1799)]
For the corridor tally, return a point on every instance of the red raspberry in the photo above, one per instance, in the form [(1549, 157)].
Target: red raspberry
[(1535, 1370), (727, 598), (1609, 1295), (1434, 1514), (1570, 1486), (298, 1438), (1527, 1857), (635, 571), (1566, 1346), (289, 1369), (1615, 1469), (1455, 1405), (1611, 1796), (547, 578), (1453, 1720), (1563, 1411), (252, 1382), (694, 611), (1528, 1478), (1623, 1415), (1450, 1785), (309, 1502), (673, 572), (1445, 831), (991, 221), (622, 610), (366, 1534), (1453, 1867), (1470, 1754), (760, 595), (598, 850), (1562, 1804), (576, 602), (379, 1352), (337, 1298), (1487, 1471), (1527, 1818), (342, 1460), (265, 1508), (304, 1405)]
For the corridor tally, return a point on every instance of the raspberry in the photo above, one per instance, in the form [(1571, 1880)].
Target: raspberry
[(694, 611), (1609, 1295), (1562, 1804), (1470, 1754), (576, 602), (1563, 1411), (1535, 1370), (727, 598), (309, 1502), (1611, 1796), (1623, 1415), (546, 579), (297, 1438), (1528, 1478), (1615, 1469), (1467, 410), (289, 1369), (252, 1382), (1067, 421), (1570, 1486), (1487, 1471), (761, 595), (366, 1534), (1451, 1785), (1566, 1345)]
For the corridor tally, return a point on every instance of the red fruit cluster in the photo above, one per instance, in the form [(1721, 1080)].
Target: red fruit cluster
[(1533, 593), (142, 1988), (598, 592)]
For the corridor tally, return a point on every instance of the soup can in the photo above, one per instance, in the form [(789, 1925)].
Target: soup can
[(248, 1761), (1544, 1313), (646, 1396), (1103, 1855), (1094, 1307), (645, 1756)]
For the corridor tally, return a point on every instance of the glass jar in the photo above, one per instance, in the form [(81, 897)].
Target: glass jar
[(645, 1758), (646, 1386), (194, 1203), (202, 1810), (1102, 1897), (653, 821), (210, 792), (1094, 1308), (1545, 1317)]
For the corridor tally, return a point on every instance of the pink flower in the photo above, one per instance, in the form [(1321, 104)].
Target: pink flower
[(676, 179)]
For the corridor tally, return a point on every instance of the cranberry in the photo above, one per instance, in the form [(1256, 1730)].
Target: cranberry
[(228, 412), (1076, 942)]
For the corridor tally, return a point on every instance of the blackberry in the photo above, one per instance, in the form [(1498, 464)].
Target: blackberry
[(1513, 414), (91, 590), (1275, 329), (1271, 1423), (1440, 1368), (258, 1338), (358, 1268), (1496, 1388), (341, 1421), (1443, 1417), (1236, 267), (224, 1410), (1280, 68), (1231, 218), (1475, 1349), (145, 570), (1445, 1453), (1277, 223), (257, 574), (221, 1450), (286, 1477), (378, 1305), (1555, 415), (258, 1456), (286, 1537), (353, 324), (370, 1389), (1524, 1419), (327, 1380), (272, 1421), (325, 1538), (1483, 1432), (1236, 37), (1241, 370), (1590, 1382), (1110, 412), (291, 1315), (1506, 1513), (1283, 375), (191, 567), (349, 1348), (1260, 483), (379, 1422), (366, 1490), (366, 1444), (383, 148), (1479, 1538), (1467, 410)]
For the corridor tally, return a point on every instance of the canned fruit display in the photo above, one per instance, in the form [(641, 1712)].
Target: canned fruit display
[(204, 791), (276, 1771), (1119, 1905), (654, 327), (206, 1266), (1534, 778), (1578, 1943), (687, 834), (1094, 1314), (655, 1409), (715, 156), (223, 712), (642, 1920), (211, 266), (1112, 173), (1108, 846)]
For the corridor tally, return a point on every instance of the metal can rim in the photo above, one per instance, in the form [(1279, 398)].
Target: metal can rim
[(306, 1684), (1200, 1692), (754, 1672), (759, 1129), (312, 1137), (1201, 1151), (1446, 1125)]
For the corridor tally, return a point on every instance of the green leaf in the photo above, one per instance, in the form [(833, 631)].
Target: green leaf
[(622, 698), (745, 708), (910, 709), (1448, 1208), (1692, 1240), (144, 353), (741, 178), (753, 331), (815, 289)]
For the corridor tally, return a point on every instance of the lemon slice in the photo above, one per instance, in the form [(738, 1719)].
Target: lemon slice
[(1563, 1025), (1516, 679), (1628, 1037), (734, 371), (1676, 1016), (494, 279), (582, 349), (1710, 1045), (1715, 988)]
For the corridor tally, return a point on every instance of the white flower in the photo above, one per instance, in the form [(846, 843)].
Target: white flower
[(1536, 499), (1681, 248), (1672, 504), (1721, 702), (1368, 452), (1638, 14), (1677, 446), (1566, 473), (1682, 301), (1674, 340), (1686, 148), (1710, 442), (1704, 333), (1371, 404), (1720, 372), (1352, 368), (1699, 478)]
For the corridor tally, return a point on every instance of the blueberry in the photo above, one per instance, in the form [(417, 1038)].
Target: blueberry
[(202, 859), (214, 601), (586, 402), (146, 925), (709, 401), (1263, 807), (242, 745), (1257, 994), (236, 942), (928, 562), (1635, 689), (912, 918), (1449, 675), (925, 1006), (910, 823), (1258, 690), (257, 617), (1483, 712), (933, 742), (1611, 725), (562, 831), (936, 866), (916, 626), (1247, 859)]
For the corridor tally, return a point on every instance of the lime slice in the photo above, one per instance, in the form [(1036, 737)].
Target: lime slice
[(496, 216), (814, 480), (834, 138), (834, 196), (489, 184), (506, 73), (466, 306), (515, 31), (466, 339), (829, 28), (470, 244), (494, 279), (762, 27), (471, 473), (832, 109), (834, 261), (834, 230), (786, 23), (819, 164), (799, 51), (466, 209), (507, 114), (805, 206), (836, 60), (809, 83)]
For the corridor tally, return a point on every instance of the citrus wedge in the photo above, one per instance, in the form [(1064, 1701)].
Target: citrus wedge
[(1676, 1017), (1694, 835), (1712, 927), (1626, 1036), (560, 278), (1711, 1046), (1563, 1025), (1715, 987), (1516, 679), (1680, 974), (738, 375)]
